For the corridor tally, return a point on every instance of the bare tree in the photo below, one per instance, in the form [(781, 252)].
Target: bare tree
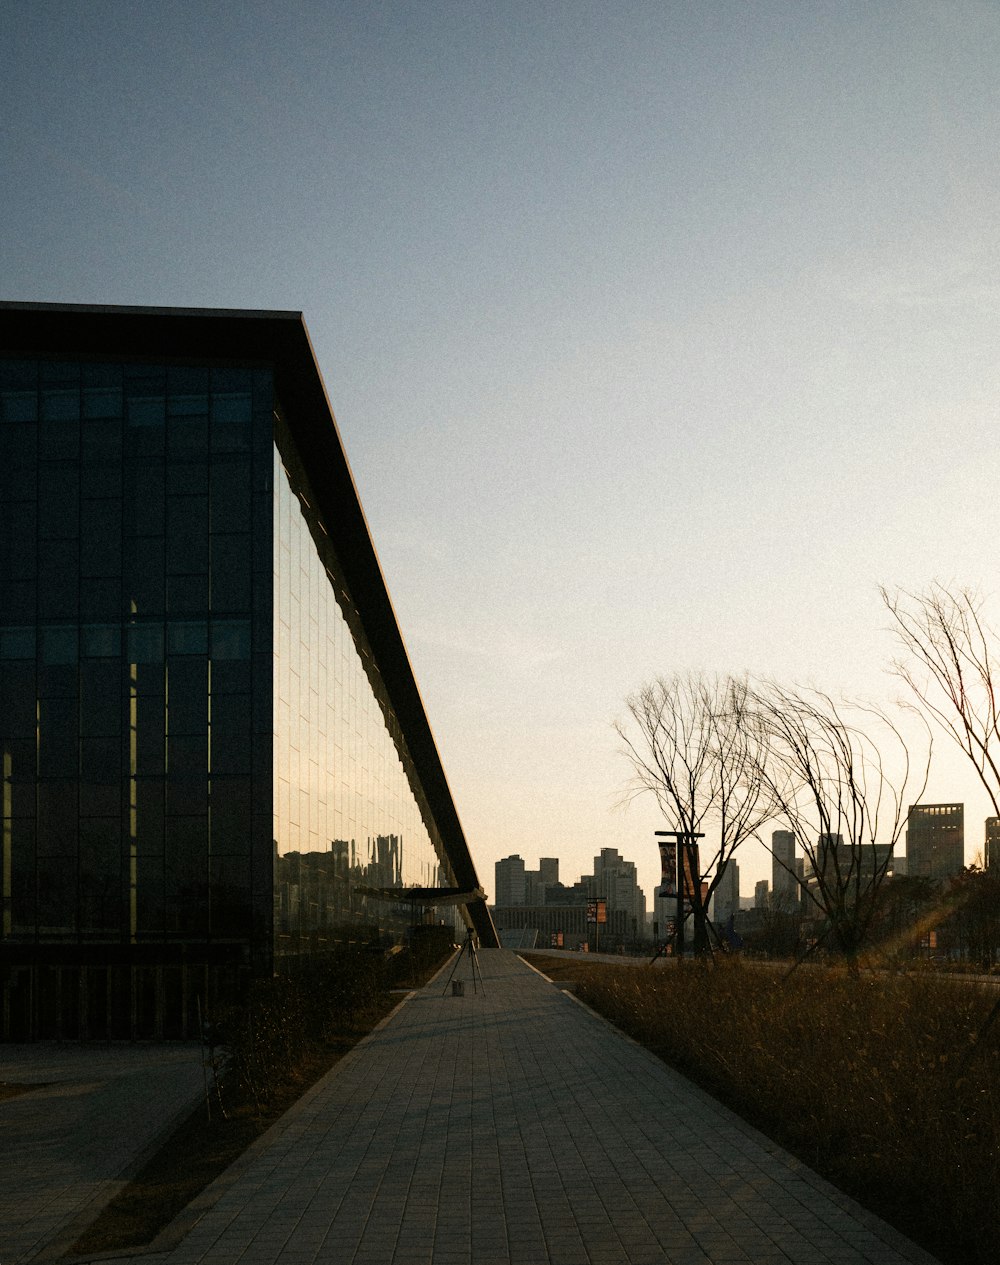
[(951, 654), (693, 744), (826, 773)]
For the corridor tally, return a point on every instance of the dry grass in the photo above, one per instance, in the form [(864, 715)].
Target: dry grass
[(879, 1081), (11, 1089)]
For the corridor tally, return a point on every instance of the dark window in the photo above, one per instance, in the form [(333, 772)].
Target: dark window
[(102, 402), (18, 406), (18, 553), (146, 411), (59, 504), (187, 534), (99, 598), (100, 874), (230, 573), (231, 734), (187, 757), (58, 817), (230, 814), (100, 641), (187, 594), (229, 896), (187, 636), (58, 578), (17, 642), (150, 733), (230, 493), (149, 805), (150, 908), (100, 697), (22, 848), (145, 498), (61, 405), (144, 584), (100, 538), (57, 901), (230, 639), (145, 643), (187, 696), (17, 696), (187, 478)]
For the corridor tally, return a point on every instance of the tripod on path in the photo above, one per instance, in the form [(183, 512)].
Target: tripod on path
[(468, 947)]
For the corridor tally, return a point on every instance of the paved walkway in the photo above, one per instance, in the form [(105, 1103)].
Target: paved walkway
[(64, 1148), (516, 1128)]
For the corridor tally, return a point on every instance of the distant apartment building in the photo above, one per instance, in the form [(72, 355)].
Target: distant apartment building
[(516, 885), (785, 875), (844, 864), (616, 880), (991, 848), (510, 882), (761, 894), (537, 899), (726, 898), (935, 840)]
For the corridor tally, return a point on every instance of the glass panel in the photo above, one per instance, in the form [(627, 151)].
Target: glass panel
[(145, 643), (101, 697), (57, 644), (101, 641), (18, 406), (187, 695), (17, 643), (102, 402), (187, 636), (346, 803), (146, 410)]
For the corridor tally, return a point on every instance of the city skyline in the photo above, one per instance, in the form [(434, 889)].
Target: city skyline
[(658, 337)]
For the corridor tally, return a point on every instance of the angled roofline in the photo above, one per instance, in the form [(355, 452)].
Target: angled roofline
[(278, 339)]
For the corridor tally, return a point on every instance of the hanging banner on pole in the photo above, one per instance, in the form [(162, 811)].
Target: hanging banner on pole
[(668, 868), (692, 873)]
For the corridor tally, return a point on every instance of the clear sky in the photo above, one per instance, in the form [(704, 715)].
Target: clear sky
[(658, 333)]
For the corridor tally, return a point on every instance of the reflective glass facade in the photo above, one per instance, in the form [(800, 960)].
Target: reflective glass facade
[(347, 803), (201, 764)]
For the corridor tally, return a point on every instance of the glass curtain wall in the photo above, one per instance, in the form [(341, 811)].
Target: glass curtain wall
[(135, 524), (347, 808)]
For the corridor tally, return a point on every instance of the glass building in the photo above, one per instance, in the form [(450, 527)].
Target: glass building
[(214, 754)]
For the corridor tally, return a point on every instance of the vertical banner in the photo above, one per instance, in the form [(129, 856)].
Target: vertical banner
[(668, 868), (692, 873)]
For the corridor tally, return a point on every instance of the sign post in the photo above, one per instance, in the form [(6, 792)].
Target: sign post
[(683, 885)]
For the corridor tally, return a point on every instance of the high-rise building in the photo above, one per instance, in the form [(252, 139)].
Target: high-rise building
[(616, 880), (510, 882), (784, 874), (991, 849), (214, 754), (726, 898), (761, 894), (935, 840)]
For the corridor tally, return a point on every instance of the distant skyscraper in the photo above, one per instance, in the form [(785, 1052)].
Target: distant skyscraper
[(548, 869), (510, 881), (784, 883), (991, 851), (726, 899), (616, 880), (935, 840), (761, 893)]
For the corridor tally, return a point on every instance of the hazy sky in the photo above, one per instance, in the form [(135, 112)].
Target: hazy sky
[(658, 333)]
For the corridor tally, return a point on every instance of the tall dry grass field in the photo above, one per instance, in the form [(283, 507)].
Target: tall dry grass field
[(881, 1082)]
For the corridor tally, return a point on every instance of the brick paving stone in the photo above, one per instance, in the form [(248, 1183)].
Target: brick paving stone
[(513, 1127)]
